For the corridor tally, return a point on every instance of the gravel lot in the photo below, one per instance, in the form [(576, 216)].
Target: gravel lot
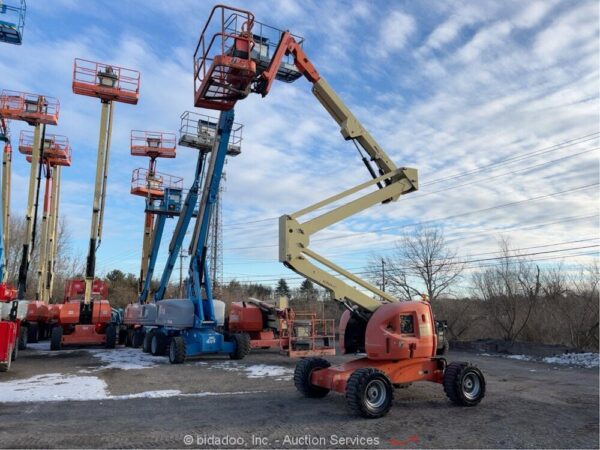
[(123, 398)]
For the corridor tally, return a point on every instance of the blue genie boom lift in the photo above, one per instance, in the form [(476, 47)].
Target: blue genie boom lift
[(192, 326), (197, 131)]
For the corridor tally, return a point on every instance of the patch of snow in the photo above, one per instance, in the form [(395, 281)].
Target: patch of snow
[(39, 346), (56, 387), (127, 358), (520, 357), (257, 370), (53, 387), (587, 360)]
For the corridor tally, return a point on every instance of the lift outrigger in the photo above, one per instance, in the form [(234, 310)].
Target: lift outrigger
[(234, 58)]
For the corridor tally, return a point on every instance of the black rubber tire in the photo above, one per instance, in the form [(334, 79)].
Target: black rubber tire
[(242, 345), (129, 338), (361, 384), (111, 336), (147, 341), (33, 333), (15, 352), (302, 373), (137, 339), (444, 350), (158, 344), (177, 350), (56, 338), (22, 338), (459, 378), (122, 333), (5, 366)]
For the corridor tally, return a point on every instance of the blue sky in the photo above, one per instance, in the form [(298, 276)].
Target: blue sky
[(446, 87)]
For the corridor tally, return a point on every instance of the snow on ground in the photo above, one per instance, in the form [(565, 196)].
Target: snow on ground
[(127, 358), (56, 387), (255, 371), (587, 360)]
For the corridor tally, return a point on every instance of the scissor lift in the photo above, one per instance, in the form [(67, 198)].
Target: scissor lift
[(12, 21), (82, 321), (37, 111)]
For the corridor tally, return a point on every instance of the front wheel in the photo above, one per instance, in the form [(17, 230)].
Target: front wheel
[(147, 341), (242, 345), (302, 374), (464, 384), (23, 333), (177, 350), (369, 393), (158, 344), (56, 338), (111, 336)]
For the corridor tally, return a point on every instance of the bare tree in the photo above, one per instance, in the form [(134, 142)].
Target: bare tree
[(511, 290), (422, 264)]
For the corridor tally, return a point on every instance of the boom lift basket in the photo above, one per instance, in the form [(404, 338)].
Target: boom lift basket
[(57, 150), (155, 144), (169, 204), (232, 51), (31, 108), (198, 131), (153, 186), (105, 81), (12, 21)]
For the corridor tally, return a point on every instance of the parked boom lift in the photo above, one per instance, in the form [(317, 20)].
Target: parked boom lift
[(12, 21), (399, 338), (87, 321)]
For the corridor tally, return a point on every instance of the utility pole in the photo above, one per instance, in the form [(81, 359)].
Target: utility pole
[(383, 274)]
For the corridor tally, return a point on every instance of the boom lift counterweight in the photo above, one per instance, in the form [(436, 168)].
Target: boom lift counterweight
[(399, 338)]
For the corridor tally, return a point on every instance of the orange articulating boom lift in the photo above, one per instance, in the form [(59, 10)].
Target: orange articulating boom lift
[(86, 321), (38, 111), (56, 153), (237, 56)]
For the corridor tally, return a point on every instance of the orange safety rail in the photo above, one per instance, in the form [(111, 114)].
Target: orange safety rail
[(106, 81), (155, 144), (31, 108), (146, 185), (57, 150), (223, 67), (303, 334)]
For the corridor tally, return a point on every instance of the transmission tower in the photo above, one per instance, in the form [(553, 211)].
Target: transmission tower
[(215, 245)]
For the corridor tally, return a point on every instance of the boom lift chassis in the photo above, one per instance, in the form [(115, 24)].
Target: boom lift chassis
[(399, 338)]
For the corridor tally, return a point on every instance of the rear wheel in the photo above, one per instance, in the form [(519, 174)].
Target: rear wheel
[(33, 333), (147, 341), (5, 366), (177, 350), (111, 336), (242, 345), (302, 374), (23, 338), (158, 344), (56, 338), (137, 338), (369, 393), (464, 384)]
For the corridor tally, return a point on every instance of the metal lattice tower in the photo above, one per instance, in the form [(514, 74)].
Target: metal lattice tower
[(215, 244)]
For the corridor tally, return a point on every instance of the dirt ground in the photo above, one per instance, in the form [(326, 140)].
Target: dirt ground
[(253, 403)]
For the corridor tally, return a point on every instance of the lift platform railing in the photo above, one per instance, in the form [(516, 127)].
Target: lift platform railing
[(169, 204), (12, 21), (146, 185), (303, 334), (198, 131), (55, 145), (106, 81), (220, 75), (155, 144), (31, 108), (233, 50)]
